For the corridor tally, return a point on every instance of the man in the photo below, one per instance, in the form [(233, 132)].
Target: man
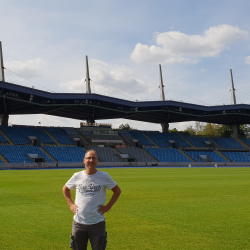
[(89, 208)]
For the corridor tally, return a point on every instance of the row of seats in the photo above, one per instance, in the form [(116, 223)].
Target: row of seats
[(142, 138), (137, 153), (18, 154), (228, 143), (60, 135), (105, 154), (237, 156), (167, 155), (3, 139), (66, 154), (19, 135), (196, 141), (163, 140), (213, 155), (102, 137)]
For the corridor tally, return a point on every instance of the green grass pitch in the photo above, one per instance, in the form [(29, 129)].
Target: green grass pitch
[(159, 208)]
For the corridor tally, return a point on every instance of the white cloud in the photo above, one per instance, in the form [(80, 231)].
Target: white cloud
[(29, 68), (106, 77), (247, 60), (176, 47)]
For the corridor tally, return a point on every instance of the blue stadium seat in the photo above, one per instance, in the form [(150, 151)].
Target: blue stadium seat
[(19, 134), (60, 135), (18, 154), (228, 143), (213, 155), (167, 155), (66, 154), (141, 137)]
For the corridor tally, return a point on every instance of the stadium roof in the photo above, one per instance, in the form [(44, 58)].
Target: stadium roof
[(19, 100)]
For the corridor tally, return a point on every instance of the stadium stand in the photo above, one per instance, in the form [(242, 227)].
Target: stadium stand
[(102, 137), (141, 138), (211, 154), (247, 141), (3, 139), (66, 153), (18, 154), (127, 137), (164, 140), (60, 135), (60, 144), (106, 154), (228, 143), (19, 134), (167, 155), (138, 154), (196, 141), (237, 156)]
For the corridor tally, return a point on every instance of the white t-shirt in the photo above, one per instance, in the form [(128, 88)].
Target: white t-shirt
[(90, 193)]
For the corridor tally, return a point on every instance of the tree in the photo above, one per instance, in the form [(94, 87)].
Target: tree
[(173, 130), (125, 127), (190, 130)]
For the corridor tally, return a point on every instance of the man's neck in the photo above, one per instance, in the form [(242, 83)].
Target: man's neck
[(90, 171)]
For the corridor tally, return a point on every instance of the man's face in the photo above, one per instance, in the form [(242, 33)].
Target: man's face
[(90, 160)]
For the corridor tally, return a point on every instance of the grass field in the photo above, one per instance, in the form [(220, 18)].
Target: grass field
[(159, 208)]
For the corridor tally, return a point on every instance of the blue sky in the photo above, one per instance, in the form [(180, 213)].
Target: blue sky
[(196, 42)]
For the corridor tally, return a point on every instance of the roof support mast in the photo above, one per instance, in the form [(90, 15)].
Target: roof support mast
[(88, 89), (233, 99), (2, 78), (4, 118), (165, 125), (91, 120), (161, 85), (236, 127)]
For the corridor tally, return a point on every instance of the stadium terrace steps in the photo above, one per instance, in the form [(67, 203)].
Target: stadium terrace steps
[(212, 156), (150, 140), (219, 153), (106, 154), (3, 159), (183, 137), (215, 143), (144, 140), (85, 141), (137, 154), (60, 136), (49, 155), (149, 154), (243, 143), (168, 155), (66, 153), (6, 137), (52, 137), (116, 150), (18, 153), (228, 143), (21, 135), (187, 155), (235, 156)]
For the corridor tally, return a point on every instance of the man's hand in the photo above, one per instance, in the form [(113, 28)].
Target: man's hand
[(73, 207), (103, 209)]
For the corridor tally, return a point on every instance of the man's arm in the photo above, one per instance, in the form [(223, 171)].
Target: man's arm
[(103, 209), (66, 192)]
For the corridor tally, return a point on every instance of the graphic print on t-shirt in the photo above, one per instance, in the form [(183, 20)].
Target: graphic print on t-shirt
[(88, 188)]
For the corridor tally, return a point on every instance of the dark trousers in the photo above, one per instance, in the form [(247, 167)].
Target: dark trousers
[(81, 233)]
